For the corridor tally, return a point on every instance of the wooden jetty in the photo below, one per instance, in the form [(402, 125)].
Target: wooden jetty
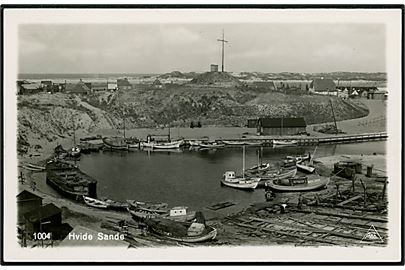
[(316, 140)]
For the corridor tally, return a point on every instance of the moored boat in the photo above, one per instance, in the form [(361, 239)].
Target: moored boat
[(162, 145), (298, 184), (281, 174), (259, 168), (298, 158), (231, 180), (115, 143), (285, 142), (211, 145), (240, 143)]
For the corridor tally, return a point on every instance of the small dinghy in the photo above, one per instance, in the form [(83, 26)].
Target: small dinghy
[(305, 167), (284, 142), (95, 202)]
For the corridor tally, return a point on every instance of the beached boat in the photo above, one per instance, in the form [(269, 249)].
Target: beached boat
[(149, 206), (178, 213), (284, 142), (95, 202), (298, 158), (297, 184), (281, 174), (305, 167), (190, 232), (70, 181), (115, 143), (162, 145), (91, 138)]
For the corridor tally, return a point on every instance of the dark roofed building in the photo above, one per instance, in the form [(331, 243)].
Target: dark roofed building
[(26, 202), (48, 214), (123, 84), (30, 88), (281, 126), (78, 88), (323, 85)]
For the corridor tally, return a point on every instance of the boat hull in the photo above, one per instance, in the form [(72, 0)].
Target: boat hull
[(314, 184), (95, 203), (153, 145), (241, 185), (283, 175), (305, 168)]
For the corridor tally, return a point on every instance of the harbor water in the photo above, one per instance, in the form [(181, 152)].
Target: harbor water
[(190, 177)]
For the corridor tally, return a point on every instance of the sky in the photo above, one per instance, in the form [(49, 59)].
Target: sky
[(160, 48)]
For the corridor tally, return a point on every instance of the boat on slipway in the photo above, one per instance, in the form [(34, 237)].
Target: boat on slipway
[(149, 206), (177, 213), (189, 232), (105, 203), (279, 174), (298, 184)]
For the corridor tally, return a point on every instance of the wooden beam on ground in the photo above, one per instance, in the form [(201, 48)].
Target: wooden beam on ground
[(350, 200)]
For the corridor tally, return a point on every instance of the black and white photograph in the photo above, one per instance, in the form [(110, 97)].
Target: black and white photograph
[(170, 134)]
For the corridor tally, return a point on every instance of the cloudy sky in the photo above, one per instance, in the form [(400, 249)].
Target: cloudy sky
[(158, 48)]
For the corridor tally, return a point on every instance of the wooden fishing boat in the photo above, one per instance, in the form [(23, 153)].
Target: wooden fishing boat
[(162, 145), (297, 184), (298, 158), (141, 215), (285, 142), (241, 143), (259, 168), (305, 167), (116, 205), (115, 143), (95, 202), (190, 232), (211, 145), (281, 174), (70, 181), (90, 138), (178, 213), (231, 180), (149, 206)]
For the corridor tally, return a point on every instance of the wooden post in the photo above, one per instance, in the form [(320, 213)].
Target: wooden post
[(337, 193), (383, 191), (353, 180), (365, 193)]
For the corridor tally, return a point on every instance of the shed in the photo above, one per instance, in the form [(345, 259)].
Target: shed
[(79, 88), (26, 202), (48, 214), (123, 84), (323, 85), (30, 88), (281, 126)]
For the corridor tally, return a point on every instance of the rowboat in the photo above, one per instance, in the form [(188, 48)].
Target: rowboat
[(162, 145), (297, 184), (231, 180), (189, 232), (149, 206), (285, 142), (298, 158), (95, 203), (305, 168)]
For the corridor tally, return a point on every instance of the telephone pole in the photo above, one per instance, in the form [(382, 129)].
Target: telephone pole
[(223, 48)]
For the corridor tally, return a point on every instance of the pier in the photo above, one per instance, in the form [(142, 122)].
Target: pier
[(315, 140)]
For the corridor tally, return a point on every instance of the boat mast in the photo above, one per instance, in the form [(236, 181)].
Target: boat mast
[(124, 125), (74, 131), (243, 163)]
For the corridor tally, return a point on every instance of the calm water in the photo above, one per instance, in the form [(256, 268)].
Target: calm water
[(190, 178)]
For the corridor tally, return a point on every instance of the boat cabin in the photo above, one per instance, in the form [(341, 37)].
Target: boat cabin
[(178, 211), (229, 175), (195, 229)]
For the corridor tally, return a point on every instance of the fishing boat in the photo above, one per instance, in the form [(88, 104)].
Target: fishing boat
[(189, 232), (242, 182), (211, 145), (298, 158), (95, 202), (115, 143), (141, 215), (298, 184), (240, 143), (178, 213), (284, 142), (259, 168), (69, 180), (149, 206), (281, 174), (307, 168), (162, 145)]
